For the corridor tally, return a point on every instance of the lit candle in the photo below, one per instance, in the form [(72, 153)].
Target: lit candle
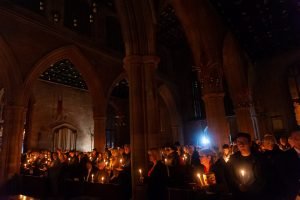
[(140, 171), (166, 160), (91, 158), (102, 179), (121, 161), (69, 159), (200, 180), (243, 173), (25, 165), (92, 177)]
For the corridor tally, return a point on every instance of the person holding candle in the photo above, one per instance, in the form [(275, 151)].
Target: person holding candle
[(90, 172), (157, 177), (246, 171), (102, 175)]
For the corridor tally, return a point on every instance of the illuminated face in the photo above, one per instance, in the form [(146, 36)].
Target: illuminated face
[(225, 151), (283, 141), (205, 160), (243, 145)]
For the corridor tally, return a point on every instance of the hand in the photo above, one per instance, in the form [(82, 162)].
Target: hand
[(243, 187)]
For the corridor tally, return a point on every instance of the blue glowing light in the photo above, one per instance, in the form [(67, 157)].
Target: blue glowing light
[(205, 140)]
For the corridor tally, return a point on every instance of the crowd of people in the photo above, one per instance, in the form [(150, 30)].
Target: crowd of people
[(267, 169)]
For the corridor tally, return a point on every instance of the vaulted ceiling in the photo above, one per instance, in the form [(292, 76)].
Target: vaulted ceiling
[(264, 28)]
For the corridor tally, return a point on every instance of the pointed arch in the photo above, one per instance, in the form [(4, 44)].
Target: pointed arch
[(81, 63)]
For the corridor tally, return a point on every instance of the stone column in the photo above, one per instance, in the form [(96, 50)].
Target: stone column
[(12, 142), (213, 96), (143, 115), (243, 111), (99, 133)]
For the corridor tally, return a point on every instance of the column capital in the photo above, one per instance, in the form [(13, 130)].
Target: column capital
[(137, 59), (210, 77)]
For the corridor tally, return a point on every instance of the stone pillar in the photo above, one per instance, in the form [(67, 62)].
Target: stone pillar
[(243, 111), (213, 96), (99, 133), (143, 112), (12, 142)]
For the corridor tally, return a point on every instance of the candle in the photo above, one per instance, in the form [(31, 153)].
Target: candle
[(200, 180), (140, 171), (243, 173), (102, 179), (92, 177), (166, 160), (69, 159), (25, 165)]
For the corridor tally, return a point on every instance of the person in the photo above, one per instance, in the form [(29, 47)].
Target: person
[(270, 152), (127, 158), (246, 171), (90, 173), (157, 177), (102, 175), (288, 170), (283, 143)]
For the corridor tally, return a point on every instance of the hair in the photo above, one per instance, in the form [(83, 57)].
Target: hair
[(155, 152), (270, 139), (244, 135), (225, 146)]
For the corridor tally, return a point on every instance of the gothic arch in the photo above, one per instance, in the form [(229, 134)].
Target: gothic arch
[(82, 64), (175, 118)]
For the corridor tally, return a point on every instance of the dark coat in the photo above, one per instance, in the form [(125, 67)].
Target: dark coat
[(157, 182), (287, 168), (252, 185)]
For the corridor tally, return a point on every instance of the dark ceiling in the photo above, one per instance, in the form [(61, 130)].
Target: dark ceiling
[(265, 28)]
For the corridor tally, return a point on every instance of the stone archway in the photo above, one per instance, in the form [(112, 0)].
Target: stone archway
[(87, 70)]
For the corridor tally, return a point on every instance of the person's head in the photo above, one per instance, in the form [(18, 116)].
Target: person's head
[(94, 152), (101, 165), (226, 149), (206, 157), (54, 156), (295, 137), (154, 155), (121, 150), (71, 154), (283, 140), (243, 141), (127, 148), (89, 165), (269, 142)]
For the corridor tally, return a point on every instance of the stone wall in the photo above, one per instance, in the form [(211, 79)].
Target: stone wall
[(76, 110)]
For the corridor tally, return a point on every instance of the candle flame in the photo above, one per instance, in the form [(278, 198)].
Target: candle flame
[(243, 172), (140, 170)]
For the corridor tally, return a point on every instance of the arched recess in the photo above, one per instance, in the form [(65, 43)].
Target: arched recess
[(176, 122), (117, 114), (87, 71), (57, 130)]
